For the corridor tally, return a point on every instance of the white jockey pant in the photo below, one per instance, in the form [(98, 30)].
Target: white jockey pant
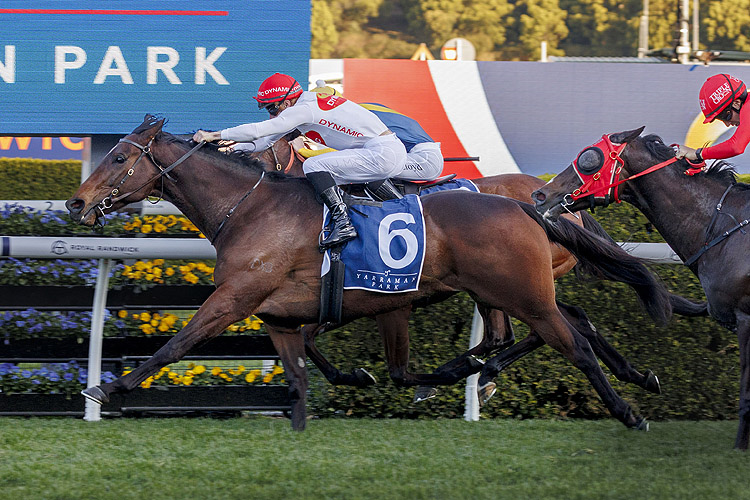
[(423, 163), (380, 158)]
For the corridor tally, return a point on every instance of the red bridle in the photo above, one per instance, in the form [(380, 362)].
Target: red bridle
[(602, 182)]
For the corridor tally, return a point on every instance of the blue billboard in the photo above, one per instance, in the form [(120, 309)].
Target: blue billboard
[(68, 69)]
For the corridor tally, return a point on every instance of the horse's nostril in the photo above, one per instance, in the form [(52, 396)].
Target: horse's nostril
[(74, 205), (538, 196)]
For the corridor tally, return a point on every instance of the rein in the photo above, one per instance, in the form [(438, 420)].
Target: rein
[(231, 210)]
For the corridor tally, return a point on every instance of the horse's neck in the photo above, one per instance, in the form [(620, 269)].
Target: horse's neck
[(679, 207), (206, 191)]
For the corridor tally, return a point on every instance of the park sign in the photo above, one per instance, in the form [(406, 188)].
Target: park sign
[(69, 69)]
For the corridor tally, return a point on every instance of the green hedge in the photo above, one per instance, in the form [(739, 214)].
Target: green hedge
[(696, 360), (30, 179)]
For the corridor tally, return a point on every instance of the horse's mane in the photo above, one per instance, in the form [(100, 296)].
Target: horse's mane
[(236, 160), (720, 170)]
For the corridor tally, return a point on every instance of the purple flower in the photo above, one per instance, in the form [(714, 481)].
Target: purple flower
[(26, 374), (68, 376)]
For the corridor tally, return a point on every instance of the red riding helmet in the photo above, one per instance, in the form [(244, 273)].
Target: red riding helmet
[(276, 88), (718, 92)]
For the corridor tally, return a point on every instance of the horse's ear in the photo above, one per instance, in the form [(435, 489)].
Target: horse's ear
[(626, 136), (151, 121)]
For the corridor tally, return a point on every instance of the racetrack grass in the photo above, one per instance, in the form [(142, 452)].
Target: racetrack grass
[(262, 458)]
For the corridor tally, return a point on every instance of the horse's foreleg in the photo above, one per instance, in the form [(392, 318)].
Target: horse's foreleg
[(218, 312), (290, 346), (743, 337), (621, 367), (498, 335), (358, 378), (486, 383)]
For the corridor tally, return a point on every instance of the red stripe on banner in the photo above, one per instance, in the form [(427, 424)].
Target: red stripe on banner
[(407, 87), (98, 12)]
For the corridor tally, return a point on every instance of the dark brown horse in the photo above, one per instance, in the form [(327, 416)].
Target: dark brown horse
[(699, 216), (265, 229), (498, 335)]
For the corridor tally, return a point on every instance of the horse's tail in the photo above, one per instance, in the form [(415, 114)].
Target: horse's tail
[(606, 260), (680, 305)]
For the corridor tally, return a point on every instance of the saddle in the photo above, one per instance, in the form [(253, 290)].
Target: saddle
[(391, 189)]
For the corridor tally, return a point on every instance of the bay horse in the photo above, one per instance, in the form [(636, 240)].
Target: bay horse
[(700, 215), (265, 229), (498, 333)]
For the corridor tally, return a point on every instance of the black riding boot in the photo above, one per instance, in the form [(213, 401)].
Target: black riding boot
[(383, 190), (342, 229)]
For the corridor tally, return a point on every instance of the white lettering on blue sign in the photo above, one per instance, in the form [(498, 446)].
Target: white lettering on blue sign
[(159, 59), (8, 68)]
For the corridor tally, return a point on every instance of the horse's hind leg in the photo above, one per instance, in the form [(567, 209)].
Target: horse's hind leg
[(621, 367), (358, 378), (290, 346), (561, 336)]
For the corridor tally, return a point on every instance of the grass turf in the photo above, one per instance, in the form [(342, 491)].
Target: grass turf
[(262, 458)]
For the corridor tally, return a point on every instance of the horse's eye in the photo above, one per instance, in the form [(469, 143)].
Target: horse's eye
[(120, 158)]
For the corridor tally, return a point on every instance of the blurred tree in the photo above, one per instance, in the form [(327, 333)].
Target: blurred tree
[(514, 29), (727, 24), (483, 22), (541, 21), (325, 37)]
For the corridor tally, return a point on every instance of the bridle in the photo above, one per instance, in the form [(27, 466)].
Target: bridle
[(602, 181), (593, 185), (108, 201), (292, 156), (114, 196)]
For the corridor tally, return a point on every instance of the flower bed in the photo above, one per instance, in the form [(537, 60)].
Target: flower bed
[(31, 323), (19, 220), (70, 377)]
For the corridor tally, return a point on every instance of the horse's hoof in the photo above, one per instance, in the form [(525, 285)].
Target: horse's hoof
[(652, 383), (96, 395), (424, 393), (641, 425), (486, 392), (364, 377)]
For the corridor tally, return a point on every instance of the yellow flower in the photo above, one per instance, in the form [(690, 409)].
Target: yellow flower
[(169, 271), (146, 228), (215, 370), (122, 313), (268, 377), (199, 369), (240, 369), (277, 369), (154, 323), (147, 328), (190, 278), (187, 380), (145, 317), (250, 377), (160, 228)]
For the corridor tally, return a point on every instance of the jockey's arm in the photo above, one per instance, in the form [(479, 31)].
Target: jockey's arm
[(285, 122)]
